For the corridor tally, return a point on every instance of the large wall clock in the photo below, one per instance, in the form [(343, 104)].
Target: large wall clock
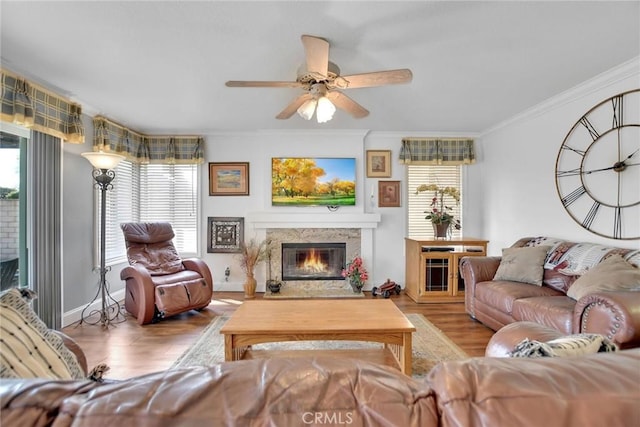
[(598, 168)]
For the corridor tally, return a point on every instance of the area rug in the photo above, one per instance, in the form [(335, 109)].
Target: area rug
[(430, 346)]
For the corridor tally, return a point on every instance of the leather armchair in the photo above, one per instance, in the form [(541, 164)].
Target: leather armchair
[(159, 283)]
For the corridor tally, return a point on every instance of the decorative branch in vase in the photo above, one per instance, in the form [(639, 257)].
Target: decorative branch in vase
[(251, 254), (440, 213)]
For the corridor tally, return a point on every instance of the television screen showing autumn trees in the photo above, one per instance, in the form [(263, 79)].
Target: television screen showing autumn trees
[(313, 181)]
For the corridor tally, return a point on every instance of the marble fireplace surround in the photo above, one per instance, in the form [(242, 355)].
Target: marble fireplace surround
[(356, 230)]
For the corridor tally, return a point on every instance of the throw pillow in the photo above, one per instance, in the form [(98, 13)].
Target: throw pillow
[(524, 265), (29, 348), (571, 345), (614, 273)]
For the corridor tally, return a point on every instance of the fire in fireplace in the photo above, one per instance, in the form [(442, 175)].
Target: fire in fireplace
[(313, 261)]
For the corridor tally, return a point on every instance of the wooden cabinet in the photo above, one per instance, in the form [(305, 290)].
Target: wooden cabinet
[(431, 270)]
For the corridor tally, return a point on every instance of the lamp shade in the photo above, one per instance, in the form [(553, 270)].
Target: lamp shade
[(307, 109), (325, 110), (102, 160)]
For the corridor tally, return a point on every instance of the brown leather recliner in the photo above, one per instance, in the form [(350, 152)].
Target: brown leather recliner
[(159, 283)]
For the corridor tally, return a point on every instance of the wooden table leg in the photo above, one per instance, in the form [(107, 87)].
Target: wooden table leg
[(405, 356), (228, 348)]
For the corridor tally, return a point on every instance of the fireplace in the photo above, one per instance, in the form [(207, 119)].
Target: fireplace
[(313, 261)]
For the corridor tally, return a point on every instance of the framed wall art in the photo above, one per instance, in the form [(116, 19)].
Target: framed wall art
[(389, 194), (229, 179), (224, 234), (378, 163)]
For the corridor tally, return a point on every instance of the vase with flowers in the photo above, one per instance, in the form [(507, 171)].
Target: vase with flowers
[(251, 254), (356, 274), (440, 212)]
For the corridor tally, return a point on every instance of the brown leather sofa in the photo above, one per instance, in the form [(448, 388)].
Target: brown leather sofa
[(600, 389), (159, 283), (496, 303)]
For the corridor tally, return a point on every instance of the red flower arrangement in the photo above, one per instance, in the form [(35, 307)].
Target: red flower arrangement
[(355, 272)]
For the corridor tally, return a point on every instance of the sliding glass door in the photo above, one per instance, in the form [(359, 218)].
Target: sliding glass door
[(13, 209)]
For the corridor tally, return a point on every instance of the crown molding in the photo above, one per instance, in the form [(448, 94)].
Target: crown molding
[(422, 134), (610, 77), (359, 133)]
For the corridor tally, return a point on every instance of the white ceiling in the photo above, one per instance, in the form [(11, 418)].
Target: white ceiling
[(160, 66)]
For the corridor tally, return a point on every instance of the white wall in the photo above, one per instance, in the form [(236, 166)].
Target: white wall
[(514, 189), (388, 238), (509, 193), (259, 147)]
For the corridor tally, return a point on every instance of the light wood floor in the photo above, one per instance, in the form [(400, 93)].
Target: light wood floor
[(130, 349)]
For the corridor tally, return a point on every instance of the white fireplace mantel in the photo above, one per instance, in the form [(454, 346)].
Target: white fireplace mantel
[(366, 222), (266, 220)]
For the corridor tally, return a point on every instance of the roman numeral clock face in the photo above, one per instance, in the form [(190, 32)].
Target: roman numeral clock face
[(598, 168)]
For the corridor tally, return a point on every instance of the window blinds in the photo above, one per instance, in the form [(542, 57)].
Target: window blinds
[(168, 193), (443, 176), (150, 193)]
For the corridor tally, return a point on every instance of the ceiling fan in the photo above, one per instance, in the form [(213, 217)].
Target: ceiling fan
[(322, 82)]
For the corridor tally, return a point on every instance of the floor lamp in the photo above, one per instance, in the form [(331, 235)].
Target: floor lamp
[(103, 165)]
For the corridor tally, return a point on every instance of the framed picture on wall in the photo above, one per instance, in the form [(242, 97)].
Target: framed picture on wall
[(224, 234), (389, 194), (378, 163), (229, 179)]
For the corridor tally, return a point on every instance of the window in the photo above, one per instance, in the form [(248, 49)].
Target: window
[(149, 193), (120, 208), (443, 176), (13, 209)]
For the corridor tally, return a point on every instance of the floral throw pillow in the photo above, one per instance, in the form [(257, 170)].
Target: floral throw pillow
[(29, 348), (524, 265)]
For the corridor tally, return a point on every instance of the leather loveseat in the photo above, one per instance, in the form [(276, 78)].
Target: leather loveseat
[(599, 389), (613, 313)]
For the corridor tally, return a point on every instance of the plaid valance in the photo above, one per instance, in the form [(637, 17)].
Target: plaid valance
[(136, 147), (437, 151), (32, 106)]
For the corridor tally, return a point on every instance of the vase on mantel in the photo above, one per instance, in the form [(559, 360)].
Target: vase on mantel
[(250, 287), (441, 230)]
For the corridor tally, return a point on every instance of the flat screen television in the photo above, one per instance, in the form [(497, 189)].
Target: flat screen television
[(313, 181)]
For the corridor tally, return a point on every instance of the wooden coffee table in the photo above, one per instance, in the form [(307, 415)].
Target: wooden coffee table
[(262, 321)]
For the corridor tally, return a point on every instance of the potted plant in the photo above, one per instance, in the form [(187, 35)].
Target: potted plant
[(251, 254), (440, 213), (356, 274)]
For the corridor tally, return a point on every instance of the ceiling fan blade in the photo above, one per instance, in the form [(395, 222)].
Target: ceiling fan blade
[(342, 101), (317, 52), (240, 83), (293, 106), (379, 78)]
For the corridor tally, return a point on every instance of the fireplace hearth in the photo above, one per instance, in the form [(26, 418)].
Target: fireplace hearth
[(313, 261)]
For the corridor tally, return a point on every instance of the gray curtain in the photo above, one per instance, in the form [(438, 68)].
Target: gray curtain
[(45, 242)]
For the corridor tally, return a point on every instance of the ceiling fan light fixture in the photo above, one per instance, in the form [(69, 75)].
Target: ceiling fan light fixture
[(319, 77), (325, 110), (307, 109)]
